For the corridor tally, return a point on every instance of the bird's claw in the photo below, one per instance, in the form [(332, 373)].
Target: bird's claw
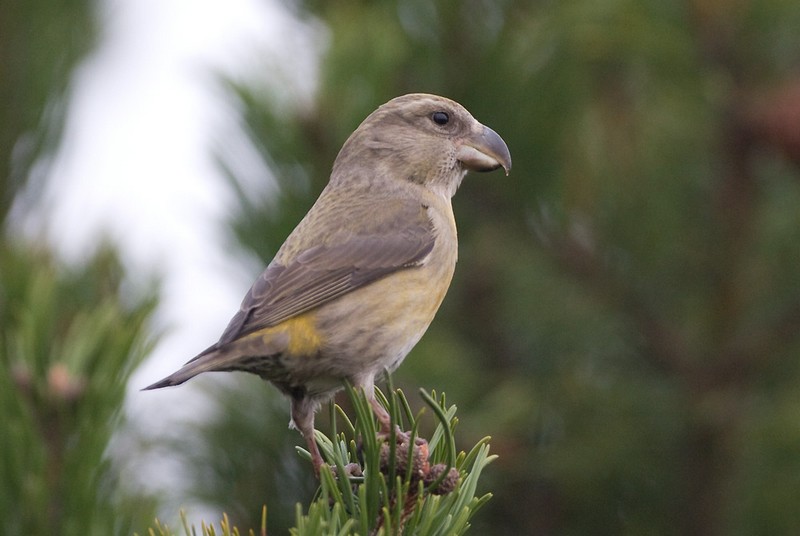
[(399, 435)]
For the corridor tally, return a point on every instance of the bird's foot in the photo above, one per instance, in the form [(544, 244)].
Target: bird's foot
[(385, 435), (350, 470)]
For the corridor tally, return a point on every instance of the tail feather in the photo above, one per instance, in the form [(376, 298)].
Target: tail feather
[(249, 355), (169, 381), (207, 361)]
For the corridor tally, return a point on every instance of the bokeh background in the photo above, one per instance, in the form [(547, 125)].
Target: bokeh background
[(624, 319)]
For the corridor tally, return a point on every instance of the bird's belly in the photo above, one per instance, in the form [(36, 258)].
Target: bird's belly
[(376, 326)]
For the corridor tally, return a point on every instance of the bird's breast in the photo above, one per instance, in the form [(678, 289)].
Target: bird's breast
[(375, 326)]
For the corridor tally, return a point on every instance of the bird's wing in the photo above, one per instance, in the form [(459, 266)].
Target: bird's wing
[(401, 238)]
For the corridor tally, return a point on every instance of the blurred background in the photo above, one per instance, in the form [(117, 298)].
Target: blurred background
[(624, 319)]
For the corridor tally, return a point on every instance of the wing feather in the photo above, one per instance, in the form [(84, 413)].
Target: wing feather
[(401, 239)]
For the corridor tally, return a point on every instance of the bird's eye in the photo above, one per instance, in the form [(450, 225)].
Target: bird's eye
[(440, 118)]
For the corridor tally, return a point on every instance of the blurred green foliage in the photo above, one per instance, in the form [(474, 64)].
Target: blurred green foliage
[(70, 335), (40, 43), (624, 317), (68, 344)]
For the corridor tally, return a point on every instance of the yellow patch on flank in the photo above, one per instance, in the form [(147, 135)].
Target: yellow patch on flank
[(304, 339)]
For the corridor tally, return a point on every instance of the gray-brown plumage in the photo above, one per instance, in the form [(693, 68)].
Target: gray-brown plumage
[(359, 280)]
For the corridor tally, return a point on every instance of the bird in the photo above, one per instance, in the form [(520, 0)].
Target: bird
[(357, 283)]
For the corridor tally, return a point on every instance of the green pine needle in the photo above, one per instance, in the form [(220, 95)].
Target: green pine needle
[(367, 487)]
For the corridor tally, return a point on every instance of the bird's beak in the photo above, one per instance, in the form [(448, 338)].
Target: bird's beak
[(484, 150)]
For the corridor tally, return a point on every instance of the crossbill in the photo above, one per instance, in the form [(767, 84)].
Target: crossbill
[(359, 280)]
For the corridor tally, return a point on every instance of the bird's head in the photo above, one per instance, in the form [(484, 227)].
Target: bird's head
[(424, 139)]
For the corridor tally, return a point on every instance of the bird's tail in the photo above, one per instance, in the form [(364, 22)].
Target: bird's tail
[(211, 359)]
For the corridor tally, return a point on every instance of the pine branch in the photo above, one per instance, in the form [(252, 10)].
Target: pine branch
[(384, 484)]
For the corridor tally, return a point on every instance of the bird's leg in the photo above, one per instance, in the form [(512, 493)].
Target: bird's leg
[(368, 384), (303, 419), (316, 458), (383, 416), (385, 421)]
